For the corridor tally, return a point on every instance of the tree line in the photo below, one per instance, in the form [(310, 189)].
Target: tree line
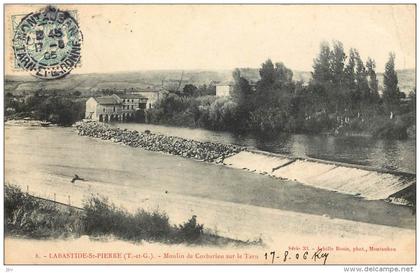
[(341, 98), (55, 108)]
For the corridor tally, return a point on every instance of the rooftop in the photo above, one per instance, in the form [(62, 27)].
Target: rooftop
[(146, 90), (131, 96), (224, 84), (113, 99)]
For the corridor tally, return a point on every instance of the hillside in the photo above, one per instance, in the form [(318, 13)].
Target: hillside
[(89, 83)]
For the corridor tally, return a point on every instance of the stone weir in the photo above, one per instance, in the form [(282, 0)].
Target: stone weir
[(205, 151), (357, 180), (363, 181)]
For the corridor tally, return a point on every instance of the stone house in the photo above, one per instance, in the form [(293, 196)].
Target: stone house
[(152, 96), (224, 89), (115, 107)]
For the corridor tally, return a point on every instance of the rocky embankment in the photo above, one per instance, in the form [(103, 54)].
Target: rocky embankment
[(206, 151)]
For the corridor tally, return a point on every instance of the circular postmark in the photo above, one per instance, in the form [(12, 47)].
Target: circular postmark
[(47, 43)]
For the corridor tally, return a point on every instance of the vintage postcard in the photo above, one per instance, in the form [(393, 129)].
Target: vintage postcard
[(210, 134)]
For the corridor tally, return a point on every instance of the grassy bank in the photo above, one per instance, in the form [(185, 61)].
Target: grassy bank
[(32, 217)]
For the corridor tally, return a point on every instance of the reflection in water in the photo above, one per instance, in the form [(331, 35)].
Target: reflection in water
[(385, 154)]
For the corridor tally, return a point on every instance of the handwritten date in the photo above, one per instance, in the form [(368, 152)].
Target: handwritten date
[(315, 256)]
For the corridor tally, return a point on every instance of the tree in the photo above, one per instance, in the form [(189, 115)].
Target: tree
[(284, 75), (391, 92), (236, 74), (244, 97), (338, 58), (373, 81), (223, 114), (189, 90), (267, 73), (242, 92), (206, 90), (276, 84), (277, 75), (412, 97), (350, 69), (322, 73), (362, 84)]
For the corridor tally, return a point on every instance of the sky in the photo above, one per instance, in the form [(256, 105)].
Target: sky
[(211, 37)]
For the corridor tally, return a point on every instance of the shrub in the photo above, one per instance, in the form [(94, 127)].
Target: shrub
[(265, 120), (222, 114), (383, 127), (37, 218), (57, 109), (26, 215), (14, 199), (102, 217), (191, 231), (153, 225)]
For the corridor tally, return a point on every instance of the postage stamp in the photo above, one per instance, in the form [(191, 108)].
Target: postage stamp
[(47, 43)]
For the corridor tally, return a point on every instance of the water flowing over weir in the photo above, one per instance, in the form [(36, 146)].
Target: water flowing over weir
[(366, 182), (344, 178)]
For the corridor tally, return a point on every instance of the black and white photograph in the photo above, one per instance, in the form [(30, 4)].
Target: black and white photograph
[(210, 134)]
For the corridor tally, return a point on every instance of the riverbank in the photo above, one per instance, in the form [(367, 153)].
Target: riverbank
[(205, 151), (28, 122), (28, 216), (389, 155)]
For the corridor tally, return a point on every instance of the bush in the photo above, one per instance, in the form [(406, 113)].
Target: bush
[(25, 215), (222, 114), (37, 218), (174, 110), (383, 127), (102, 218), (191, 231), (56, 109), (153, 225), (207, 111), (14, 199), (266, 120)]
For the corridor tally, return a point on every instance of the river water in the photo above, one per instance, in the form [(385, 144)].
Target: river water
[(44, 160), (398, 155), (231, 202)]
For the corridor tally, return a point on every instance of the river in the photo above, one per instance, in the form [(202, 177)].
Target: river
[(45, 160), (397, 155)]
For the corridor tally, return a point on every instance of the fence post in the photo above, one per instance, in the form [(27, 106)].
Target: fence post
[(54, 197), (69, 200), (27, 188)]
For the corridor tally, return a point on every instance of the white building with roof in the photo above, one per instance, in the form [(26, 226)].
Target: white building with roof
[(115, 107), (224, 89), (152, 96)]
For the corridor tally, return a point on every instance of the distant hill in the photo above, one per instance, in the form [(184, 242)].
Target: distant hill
[(253, 74), (88, 84)]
